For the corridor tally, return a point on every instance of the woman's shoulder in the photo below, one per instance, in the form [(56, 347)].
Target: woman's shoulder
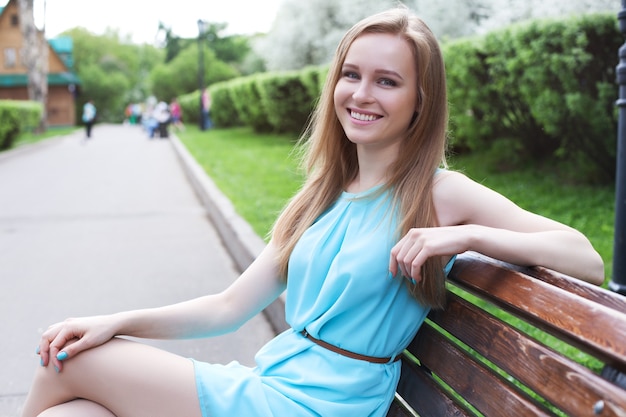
[(452, 195)]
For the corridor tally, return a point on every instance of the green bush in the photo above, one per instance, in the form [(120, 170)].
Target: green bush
[(541, 91), (16, 117), (223, 110), (287, 101), (269, 102), (190, 106), (247, 100), (545, 87)]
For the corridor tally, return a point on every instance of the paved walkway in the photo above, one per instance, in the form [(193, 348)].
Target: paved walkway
[(100, 226)]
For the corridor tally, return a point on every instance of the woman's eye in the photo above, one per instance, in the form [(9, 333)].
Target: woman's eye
[(387, 82), (351, 74)]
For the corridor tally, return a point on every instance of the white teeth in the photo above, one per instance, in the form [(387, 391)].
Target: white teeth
[(363, 117)]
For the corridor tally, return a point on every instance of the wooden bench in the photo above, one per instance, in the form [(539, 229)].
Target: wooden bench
[(466, 362)]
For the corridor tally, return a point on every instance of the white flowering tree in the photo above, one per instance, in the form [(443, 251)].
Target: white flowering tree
[(306, 32)]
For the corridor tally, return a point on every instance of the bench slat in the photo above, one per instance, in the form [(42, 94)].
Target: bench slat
[(397, 410), (581, 288), (489, 393), (418, 389), (591, 327), (538, 367)]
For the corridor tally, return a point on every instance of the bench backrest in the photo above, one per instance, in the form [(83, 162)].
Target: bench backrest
[(465, 361)]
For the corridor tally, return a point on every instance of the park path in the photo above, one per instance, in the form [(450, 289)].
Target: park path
[(98, 226)]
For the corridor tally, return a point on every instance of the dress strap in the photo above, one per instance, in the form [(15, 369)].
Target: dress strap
[(348, 353)]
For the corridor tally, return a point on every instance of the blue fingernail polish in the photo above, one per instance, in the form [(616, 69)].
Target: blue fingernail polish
[(41, 361), (38, 350), (56, 369), (62, 356), (412, 281)]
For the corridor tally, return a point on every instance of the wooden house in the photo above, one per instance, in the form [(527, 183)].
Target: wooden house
[(62, 81)]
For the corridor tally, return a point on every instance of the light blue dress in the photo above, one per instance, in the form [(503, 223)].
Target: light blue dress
[(340, 290)]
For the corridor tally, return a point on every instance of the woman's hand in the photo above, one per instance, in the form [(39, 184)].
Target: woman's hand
[(64, 340), (419, 244)]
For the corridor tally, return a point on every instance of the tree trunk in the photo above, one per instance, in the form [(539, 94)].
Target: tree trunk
[(35, 58)]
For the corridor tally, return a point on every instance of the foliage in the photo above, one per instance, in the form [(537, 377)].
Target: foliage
[(287, 100), (227, 48), (307, 32), (28, 136), (270, 102), (112, 73), (259, 173), (115, 73), (248, 103), (99, 83), (180, 76), (255, 171), (543, 89), (17, 116), (535, 92), (224, 112)]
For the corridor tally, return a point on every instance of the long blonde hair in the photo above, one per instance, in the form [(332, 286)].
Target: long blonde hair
[(330, 159)]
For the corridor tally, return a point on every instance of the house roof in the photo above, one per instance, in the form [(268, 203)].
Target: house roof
[(63, 47), (21, 80)]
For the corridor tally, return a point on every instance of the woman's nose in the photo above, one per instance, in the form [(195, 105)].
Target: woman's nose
[(362, 93)]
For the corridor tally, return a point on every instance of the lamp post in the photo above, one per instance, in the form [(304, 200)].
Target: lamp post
[(618, 280), (201, 29)]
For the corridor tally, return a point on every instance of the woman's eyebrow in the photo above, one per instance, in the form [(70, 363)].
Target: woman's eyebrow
[(389, 72), (348, 65)]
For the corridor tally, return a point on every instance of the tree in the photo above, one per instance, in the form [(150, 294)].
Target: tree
[(180, 76), (449, 19), (505, 12), (307, 32), (113, 72), (35, 56)]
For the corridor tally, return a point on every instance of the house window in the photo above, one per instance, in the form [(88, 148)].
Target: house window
[(14, 20), (10, 58)]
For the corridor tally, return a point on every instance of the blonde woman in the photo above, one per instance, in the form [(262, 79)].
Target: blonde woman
[(362, 250)]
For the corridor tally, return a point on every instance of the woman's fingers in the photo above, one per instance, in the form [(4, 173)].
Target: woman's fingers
[(55, 342), (419, 244)]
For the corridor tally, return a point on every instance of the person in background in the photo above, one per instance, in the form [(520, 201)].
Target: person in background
[(206, 109), (162, 116), (89, 117), (176, 114), (362, 250)]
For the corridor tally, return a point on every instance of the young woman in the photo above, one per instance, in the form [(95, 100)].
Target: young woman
[(362, 250)]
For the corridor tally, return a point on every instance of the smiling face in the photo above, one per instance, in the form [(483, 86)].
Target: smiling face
[(376, 95)]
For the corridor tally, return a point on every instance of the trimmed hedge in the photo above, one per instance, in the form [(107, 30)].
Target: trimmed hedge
[(530, 93), (544, 90), (15, 117), (268, 102)]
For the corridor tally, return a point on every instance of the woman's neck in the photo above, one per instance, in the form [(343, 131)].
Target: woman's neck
[(373, 170)]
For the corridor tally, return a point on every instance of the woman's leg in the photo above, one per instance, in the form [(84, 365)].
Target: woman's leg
[(126, 378), (77, 408)]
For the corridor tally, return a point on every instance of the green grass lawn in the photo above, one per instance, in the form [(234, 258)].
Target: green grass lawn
[(259, 174), (30, 137)]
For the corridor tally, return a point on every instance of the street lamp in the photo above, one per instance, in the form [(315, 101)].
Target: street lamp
[(618, 281), (202, 26)]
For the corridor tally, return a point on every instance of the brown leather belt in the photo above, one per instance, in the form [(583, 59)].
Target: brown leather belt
[(348, 353)]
